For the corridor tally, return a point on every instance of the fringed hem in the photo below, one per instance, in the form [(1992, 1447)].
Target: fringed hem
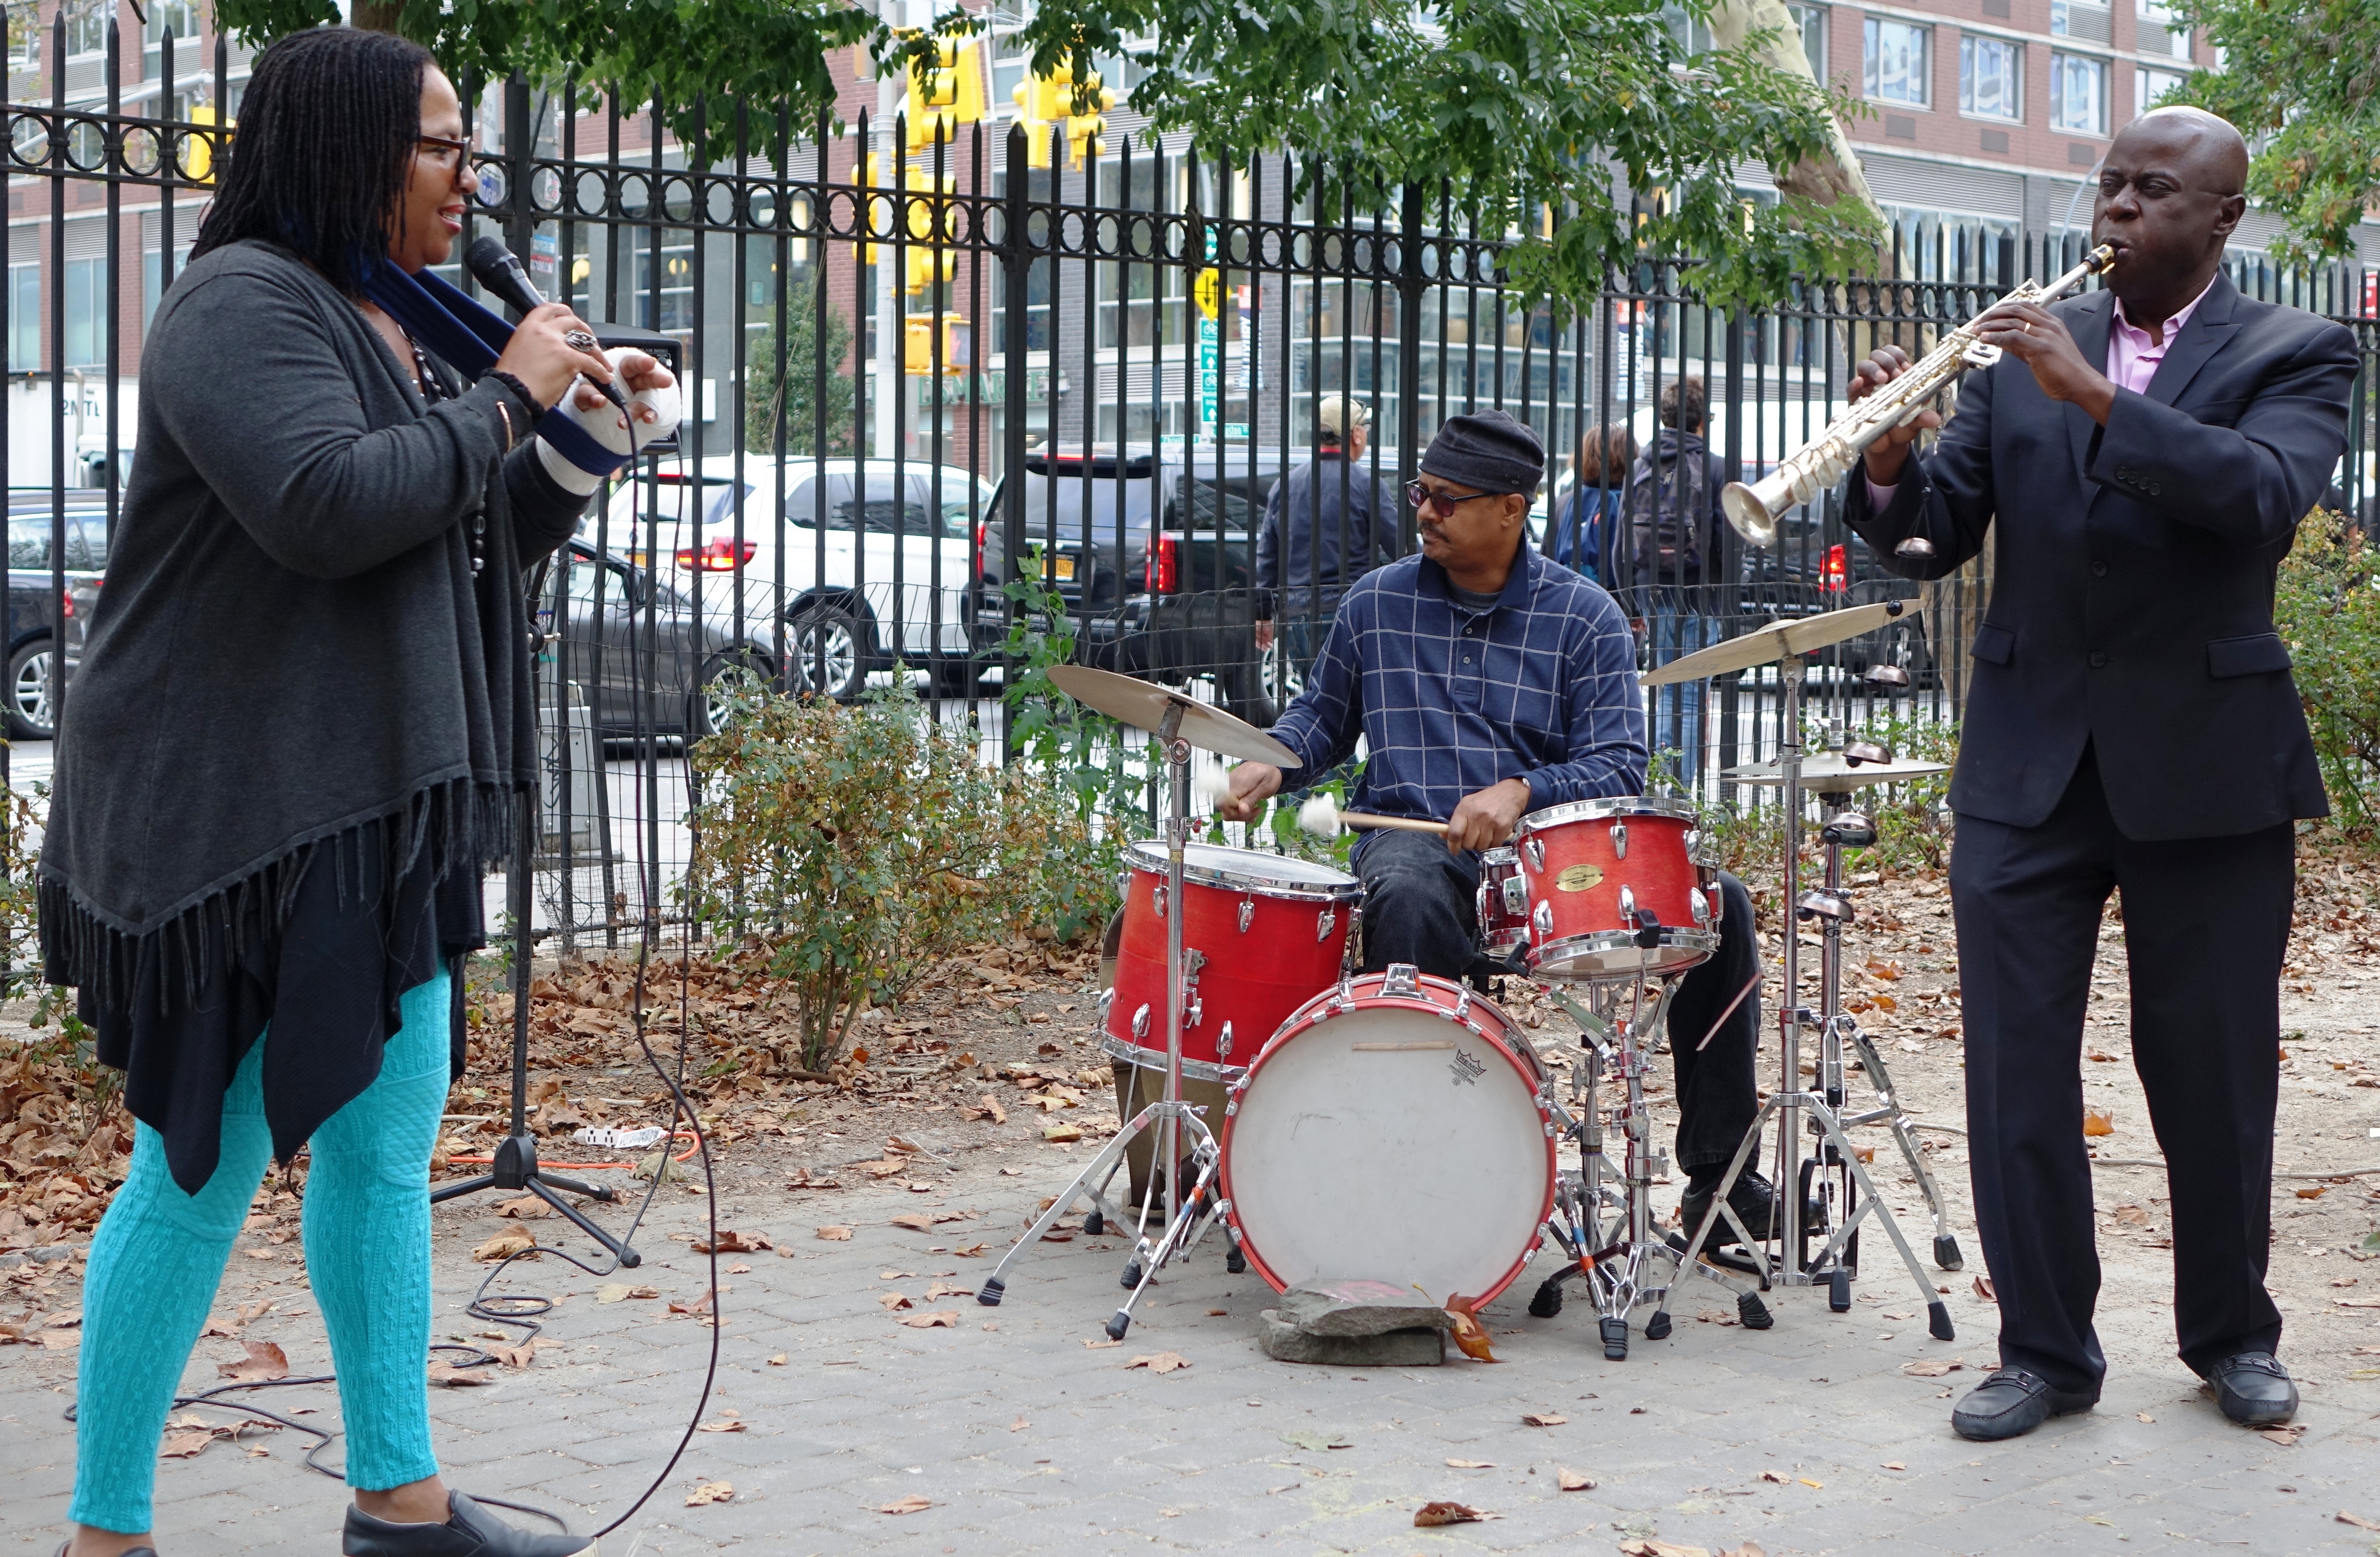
[(464, 825)]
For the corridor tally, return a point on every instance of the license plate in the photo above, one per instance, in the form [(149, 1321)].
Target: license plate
[(1065, 569)]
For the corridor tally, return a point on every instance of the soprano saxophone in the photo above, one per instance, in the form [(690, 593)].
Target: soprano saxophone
[(1753, 509)]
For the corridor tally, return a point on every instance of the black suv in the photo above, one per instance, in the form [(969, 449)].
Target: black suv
[(33, 605), (1153, 551)]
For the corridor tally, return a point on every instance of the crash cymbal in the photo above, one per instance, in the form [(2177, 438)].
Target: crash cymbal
[(1829, 773), (1772, 641), (1143, 705)]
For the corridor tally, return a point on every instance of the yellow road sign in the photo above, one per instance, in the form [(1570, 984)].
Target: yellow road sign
[(1207, 292)]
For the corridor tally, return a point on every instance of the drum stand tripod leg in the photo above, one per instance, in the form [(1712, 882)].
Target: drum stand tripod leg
[(1945, 1247), (1104, 1163), (1180, 1233), (1937, 1313), (1752, 1313)]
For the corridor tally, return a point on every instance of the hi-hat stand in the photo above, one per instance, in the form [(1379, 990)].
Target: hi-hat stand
[(1837, 1158), (1165, 713)]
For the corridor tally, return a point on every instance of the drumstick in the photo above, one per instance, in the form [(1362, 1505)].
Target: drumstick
[(1322, 816), (1361, 819)]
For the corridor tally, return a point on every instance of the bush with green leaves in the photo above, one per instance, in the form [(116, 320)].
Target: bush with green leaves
[(2327, 607), (854, 846)]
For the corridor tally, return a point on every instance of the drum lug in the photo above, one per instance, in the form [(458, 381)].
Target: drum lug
[(1516, 895), (1694, 841), (1536, 849), (1542, 919), (1323, 924), (1140, 1022), (1107, 999), (1627, 903), (1193, 1008), (1701, 909), (1247, 913), (1401, 978), (1157, 899), (1619, 840), (1462, 1005), (1223, 1043)]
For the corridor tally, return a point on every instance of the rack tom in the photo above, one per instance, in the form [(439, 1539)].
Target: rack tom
[(1503, 903), (1616, 889)]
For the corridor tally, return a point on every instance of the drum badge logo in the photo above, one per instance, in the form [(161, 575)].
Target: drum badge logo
[(1468, 1071), (1579, 878)]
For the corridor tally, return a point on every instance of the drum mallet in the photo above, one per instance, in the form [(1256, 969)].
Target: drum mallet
[(1322, 817)]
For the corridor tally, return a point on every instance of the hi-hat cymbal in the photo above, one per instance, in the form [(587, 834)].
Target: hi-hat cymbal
[(1828, 773), (1143, 705), (1772, 641)]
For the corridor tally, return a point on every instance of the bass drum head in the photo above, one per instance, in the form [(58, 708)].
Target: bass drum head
[(1392, 1143)]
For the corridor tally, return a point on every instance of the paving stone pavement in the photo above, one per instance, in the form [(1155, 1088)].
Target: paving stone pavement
[(1805, 1438)]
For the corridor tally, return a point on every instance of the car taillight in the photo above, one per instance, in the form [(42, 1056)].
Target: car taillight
[(722, 555), (66, 603), (982, 529), (1164, 565), (1834, 575)]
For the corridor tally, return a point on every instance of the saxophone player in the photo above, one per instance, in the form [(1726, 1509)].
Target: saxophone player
[(2145, 453)]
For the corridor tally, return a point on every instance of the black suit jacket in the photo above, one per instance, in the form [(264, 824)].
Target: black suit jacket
[(2132, 601)]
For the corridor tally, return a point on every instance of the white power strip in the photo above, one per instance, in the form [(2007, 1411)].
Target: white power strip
[(619, 1140)]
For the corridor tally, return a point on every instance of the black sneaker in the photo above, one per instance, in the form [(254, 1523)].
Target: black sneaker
[(469, 1531)]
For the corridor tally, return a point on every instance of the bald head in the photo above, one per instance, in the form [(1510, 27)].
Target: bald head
[(2215, 151)]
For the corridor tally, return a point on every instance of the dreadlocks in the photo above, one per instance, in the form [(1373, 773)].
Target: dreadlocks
[(326, 133)]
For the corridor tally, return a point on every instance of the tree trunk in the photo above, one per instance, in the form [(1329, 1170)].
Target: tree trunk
[(377, 16)]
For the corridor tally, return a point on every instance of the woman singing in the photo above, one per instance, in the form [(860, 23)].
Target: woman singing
[(298, 734)]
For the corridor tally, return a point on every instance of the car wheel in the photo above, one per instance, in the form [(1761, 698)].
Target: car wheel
[(955, 675), (29, 692), (1244, 694), (828, 649), (725, 680)]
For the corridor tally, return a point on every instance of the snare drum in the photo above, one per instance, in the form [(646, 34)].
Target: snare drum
[(1400, 1128), (1503, 903), (1261, 934), (1604, 877)]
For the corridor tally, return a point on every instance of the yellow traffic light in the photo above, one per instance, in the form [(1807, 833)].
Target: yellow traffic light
[(196, 151), (927, 265), (1044, 101), (951, 95), (917, 343)]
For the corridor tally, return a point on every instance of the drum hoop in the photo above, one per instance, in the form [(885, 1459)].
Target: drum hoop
[(1610, 807), (1703, 940), (1154, 1060), (1503, 854), (1148, 857)]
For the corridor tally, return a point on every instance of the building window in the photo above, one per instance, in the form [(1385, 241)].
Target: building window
[(182, 16), (2154, 84), (1952, 246), (2079, 19), (86, 342), (1812, 19), (24, 319), (1991, 73), (86, 28), (1693, 34), (2077, 94), (2160, 33), (1896, 62)]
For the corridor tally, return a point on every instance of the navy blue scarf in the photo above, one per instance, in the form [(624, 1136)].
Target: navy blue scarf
[(458, 331)]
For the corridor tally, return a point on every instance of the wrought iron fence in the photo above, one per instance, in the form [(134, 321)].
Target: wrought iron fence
[(918, 368)]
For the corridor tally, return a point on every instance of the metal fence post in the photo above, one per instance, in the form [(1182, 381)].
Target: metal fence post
[(1413, 282), (1015, 250)]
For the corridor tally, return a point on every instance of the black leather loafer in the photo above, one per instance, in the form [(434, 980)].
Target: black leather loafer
[(2254, 1388), (2013, 1403), (469, 1531), (1754, 1201), (67, 1546)]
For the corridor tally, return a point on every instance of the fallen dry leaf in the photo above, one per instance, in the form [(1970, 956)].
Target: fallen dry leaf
[(2357, 1520), (1159, 1362), (1019, 1425), (1646, 1546), (504, 1244), (1431, 1513), (1543, 1418), (917, 1222), (944, 1289), (776, 1359), (2144, 1416), (973, 1251), (451, 1377), (1985, 1290), (1471, 1464), (893, 1301), (186, 1445), (1062, 1132), (721, 1425), (739, 1270), (710, 1492), (835, 1233), (1776, 1475), (731, 1243), (1099, 1346), (941, 1319), (2097, 1124), (1749, 1549), (1894, 1464), (1572, 1481), (264, 1361), (700, 1305), (912, 1503), (2131, 1216), (1931, 1367), (527, 1206), (2286, 1437), (612, 1292), (2316, 1193), (987, 1108), (1470, 1336)]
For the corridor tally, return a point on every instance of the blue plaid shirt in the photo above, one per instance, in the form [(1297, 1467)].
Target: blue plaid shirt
[(1540, 686)]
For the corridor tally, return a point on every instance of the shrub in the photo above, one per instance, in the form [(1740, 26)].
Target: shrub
[(2327, 607), (855, 845)]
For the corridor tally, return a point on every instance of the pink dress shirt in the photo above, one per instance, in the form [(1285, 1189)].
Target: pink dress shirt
[(2132, 361)]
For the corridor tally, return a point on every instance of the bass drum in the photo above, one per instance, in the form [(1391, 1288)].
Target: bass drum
[(1397, 1128)]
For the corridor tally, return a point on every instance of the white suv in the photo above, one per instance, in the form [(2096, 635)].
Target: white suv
[(857, 578)]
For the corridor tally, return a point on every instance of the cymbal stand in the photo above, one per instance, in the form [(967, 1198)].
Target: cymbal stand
[(1829, 905), (1604, 1212), (1790, 1266), (1169, 1116)]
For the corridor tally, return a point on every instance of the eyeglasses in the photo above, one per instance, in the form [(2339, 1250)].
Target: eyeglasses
[(1441, 504), (438, 151)]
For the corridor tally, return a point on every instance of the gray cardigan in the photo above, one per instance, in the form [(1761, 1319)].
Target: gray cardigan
[(290, 641)]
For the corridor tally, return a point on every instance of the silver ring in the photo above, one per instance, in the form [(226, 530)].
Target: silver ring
[(579, 340)]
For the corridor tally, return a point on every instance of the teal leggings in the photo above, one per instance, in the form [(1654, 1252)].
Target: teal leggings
[(159, 1255)]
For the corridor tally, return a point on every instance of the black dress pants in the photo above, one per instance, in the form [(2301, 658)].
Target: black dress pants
[(1421, 906), (2206, 921)]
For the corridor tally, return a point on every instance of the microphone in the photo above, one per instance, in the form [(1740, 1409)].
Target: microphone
[(493, 266)]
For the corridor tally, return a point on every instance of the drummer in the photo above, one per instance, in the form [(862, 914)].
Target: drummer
[(1488, 682)]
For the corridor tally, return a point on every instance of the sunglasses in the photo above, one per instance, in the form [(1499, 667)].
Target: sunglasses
[(1441, 504)]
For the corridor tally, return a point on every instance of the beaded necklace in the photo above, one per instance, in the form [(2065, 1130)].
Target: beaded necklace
[(434, 389)]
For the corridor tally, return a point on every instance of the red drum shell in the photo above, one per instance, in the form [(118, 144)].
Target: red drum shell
[(1502, 927), (1271, 932), (1399, 1129), (1577, 871)]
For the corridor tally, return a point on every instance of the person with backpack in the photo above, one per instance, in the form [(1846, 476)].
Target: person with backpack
[(1670, 515), (1586, 537)]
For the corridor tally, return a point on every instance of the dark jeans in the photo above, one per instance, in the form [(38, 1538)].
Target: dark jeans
[(2205, 924), (1421, 906)]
